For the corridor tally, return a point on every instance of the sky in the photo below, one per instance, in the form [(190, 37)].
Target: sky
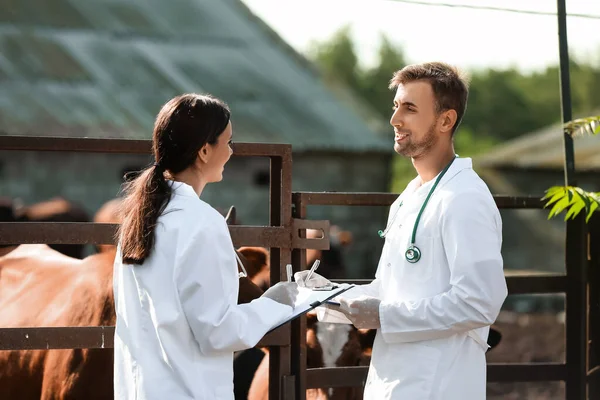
[(469, 38)]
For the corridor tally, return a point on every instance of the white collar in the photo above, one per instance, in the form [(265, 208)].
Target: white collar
[(459, 164), (182, 189)]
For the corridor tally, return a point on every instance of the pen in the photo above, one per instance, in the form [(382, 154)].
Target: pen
[(312, 269), (289, 272)]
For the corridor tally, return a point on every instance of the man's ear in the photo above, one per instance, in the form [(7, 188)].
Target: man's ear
[(447, 120)]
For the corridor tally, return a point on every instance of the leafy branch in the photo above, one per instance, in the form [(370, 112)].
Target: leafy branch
[(573, 199), (589, 125)]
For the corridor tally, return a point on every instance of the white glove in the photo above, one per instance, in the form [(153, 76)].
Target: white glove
[(283, 292), (363, 311), (315, 280)]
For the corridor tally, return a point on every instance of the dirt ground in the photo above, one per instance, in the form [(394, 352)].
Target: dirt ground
[(528, 338)]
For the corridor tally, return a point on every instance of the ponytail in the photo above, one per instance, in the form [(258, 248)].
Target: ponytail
[(145, 199)]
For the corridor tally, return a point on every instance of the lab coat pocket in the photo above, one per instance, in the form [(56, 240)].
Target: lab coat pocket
[(422, 270), (408, 371)]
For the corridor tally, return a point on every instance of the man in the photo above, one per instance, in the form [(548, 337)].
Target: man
[(439, 284)]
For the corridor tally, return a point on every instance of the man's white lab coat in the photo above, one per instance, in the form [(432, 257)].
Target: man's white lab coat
[(435, 314), (178, 321)]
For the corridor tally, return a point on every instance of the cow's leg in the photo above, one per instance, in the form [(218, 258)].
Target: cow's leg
[(259, 389), (77, 374), (94, 377), (245, 365)]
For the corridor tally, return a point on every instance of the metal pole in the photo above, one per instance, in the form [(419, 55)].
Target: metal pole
[(575, 241), (565, 91)]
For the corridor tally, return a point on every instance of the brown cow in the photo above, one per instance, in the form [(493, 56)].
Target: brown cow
[(40, 287)]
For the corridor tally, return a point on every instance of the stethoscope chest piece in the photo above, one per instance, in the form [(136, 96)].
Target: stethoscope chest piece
[(413, 254)]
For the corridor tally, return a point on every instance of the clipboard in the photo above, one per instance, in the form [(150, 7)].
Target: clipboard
[(311, 301)]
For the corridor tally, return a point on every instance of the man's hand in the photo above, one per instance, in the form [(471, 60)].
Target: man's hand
[(363, 312)]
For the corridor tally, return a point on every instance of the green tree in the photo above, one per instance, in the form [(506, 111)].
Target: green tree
[(498, 106), (373, 82), (337, 59)]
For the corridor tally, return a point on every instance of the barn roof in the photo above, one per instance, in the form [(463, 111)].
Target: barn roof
[(543, 149), (103, 68)]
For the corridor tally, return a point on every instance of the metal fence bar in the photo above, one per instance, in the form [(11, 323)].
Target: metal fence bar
[(594, 310), (386, 199), (96, 233), (123, 146), (284, 183), (279, 358), (527, 372), (298, 340), (576, 310), (516, 284), (356, 376), (89, 337)]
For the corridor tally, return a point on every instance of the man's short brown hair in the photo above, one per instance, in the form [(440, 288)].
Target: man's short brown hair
[(450, 86)]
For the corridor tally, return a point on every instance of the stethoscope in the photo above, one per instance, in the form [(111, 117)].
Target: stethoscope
[(413, 253)]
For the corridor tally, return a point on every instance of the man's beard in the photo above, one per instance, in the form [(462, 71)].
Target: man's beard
[(416, 149)]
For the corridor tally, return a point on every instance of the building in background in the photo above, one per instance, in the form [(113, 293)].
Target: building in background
[(527, 166), (103, 69)]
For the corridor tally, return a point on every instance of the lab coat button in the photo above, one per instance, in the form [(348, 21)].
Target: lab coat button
[(389, 265)]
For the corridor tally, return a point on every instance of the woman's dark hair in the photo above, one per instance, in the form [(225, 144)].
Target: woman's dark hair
[(183, 126)]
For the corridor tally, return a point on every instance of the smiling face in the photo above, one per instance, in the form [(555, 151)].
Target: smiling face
[(430, 102), (414, 119)]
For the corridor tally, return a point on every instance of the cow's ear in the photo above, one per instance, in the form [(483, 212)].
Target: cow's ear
[(230, 218), (366, 338), (311, 319), (254, 259), (494, 338)]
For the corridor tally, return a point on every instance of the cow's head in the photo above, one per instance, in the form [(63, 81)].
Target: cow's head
[(59, 209), (8, 213), (108, 213), (337, 345), (256, 262)]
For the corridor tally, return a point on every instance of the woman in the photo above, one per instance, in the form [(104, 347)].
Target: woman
[(175, 273)]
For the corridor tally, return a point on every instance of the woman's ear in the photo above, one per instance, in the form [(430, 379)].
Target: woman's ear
[(204, 153)]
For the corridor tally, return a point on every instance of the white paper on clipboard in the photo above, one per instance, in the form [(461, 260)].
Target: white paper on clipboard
[(309, 299)]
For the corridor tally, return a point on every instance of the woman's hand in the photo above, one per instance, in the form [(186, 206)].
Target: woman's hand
[(283, 292)]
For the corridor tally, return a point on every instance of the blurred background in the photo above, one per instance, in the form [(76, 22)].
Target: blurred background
[(313, 74)]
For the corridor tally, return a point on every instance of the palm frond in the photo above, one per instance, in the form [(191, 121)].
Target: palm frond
[(571, 199), (582, 126)]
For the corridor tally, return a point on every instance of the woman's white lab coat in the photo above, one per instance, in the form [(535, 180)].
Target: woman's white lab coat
[(178, 321), (435, 314)]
